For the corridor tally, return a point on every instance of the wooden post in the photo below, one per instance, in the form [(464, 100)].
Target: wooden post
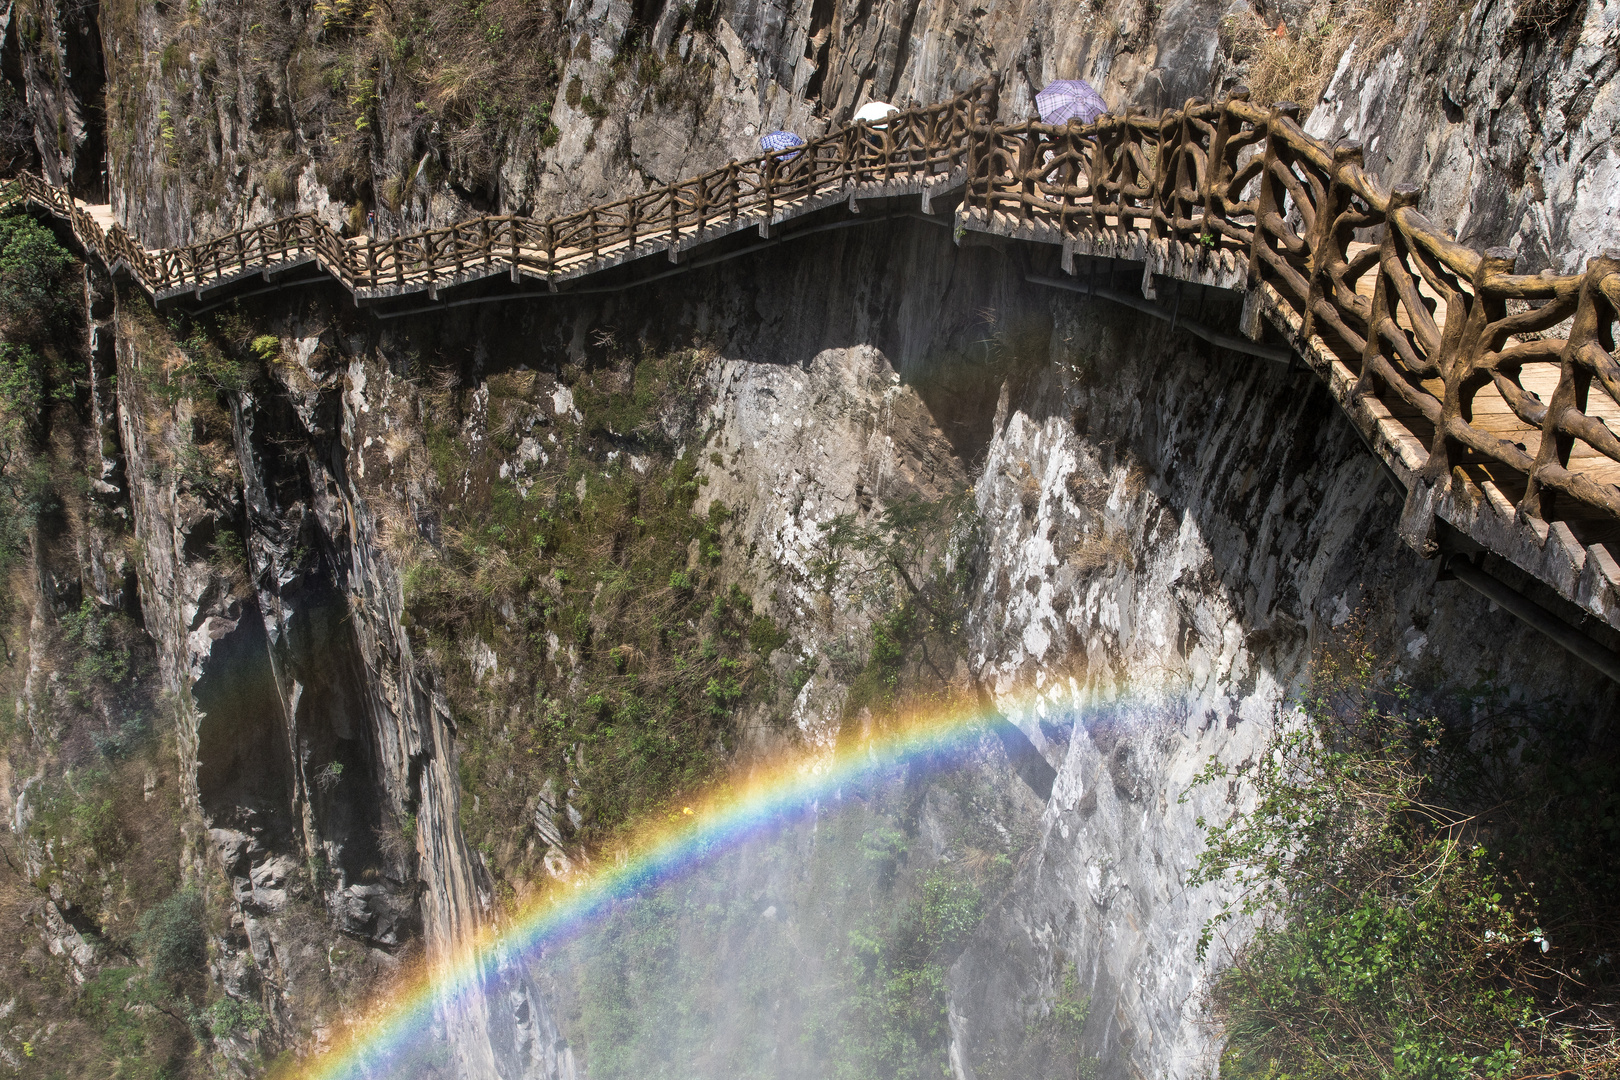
[(1094, 180), (1161, 195), (1459, 356), (768, 183), (1127, 165), (1323, 246), (1269, 198), (1219, 170), (1383, 304), (1593, 316), (631, 229), (971, 186), (1025, 171)]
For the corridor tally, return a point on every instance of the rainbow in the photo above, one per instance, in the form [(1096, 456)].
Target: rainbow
[(393, 1029)]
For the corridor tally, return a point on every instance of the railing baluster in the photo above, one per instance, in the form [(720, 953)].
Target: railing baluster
[(1270, 198), (1071, 180), (1323, 246)]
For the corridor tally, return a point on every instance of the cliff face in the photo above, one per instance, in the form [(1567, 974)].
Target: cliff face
[(357, 546), (232, 114), (1512, 135)]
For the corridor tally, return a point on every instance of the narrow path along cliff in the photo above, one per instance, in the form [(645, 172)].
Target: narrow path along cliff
[(505, 582)]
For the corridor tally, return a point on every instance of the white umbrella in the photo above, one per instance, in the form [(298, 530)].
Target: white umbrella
[(875, 111)]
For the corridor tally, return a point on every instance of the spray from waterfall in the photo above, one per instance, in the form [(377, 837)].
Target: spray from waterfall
[(399, 1029)]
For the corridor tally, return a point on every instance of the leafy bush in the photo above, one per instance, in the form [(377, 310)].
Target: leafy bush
[(24, 480), (34, 303), (132, 1029), (266, 347), (898, 994), (1434, 899), (227, 1016), (100, 655), (174, 936), (33, 273)]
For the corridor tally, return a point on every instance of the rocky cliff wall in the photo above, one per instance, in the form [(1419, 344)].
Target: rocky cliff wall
[(1167, 532), (1512, 135), (229, 114), (1204, 523), (1168, 535)]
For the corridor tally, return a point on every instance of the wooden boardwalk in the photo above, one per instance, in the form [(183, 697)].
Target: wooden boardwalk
[(1493, 396)]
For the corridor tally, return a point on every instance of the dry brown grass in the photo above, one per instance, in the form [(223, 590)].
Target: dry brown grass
[(1100, 550), (1539, 18), (1293, 62)]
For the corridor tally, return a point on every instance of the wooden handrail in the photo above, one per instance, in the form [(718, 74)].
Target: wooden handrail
[(444, 255), (1502, 388), (1492, 385)]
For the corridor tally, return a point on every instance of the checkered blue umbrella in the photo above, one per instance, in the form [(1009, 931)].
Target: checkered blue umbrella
[(780, 140), (1069, 99)]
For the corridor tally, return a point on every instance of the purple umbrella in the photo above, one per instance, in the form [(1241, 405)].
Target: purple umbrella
[(1070, 99), (780, 140)]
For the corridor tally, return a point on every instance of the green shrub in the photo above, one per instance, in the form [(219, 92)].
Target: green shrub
[(1433, 898), (100, 655), (765, 637), (174, 936), (227, 1016), (22, 384), (895, 1018), (266, 347), (24, 479), (34, 280)]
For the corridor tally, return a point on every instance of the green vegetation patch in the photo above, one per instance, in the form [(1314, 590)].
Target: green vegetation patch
[(623, 659), (37, 373), (1435, 896), (81, 720)]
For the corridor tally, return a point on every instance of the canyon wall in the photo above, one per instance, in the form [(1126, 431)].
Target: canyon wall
[(1165, 532)]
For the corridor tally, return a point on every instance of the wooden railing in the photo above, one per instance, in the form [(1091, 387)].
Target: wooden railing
[(1493, 395), (1497, 393), (920, 145)]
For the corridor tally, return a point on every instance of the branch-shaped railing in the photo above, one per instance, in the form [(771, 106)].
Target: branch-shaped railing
[(1491, 385), (919, 145), (1494, 395)]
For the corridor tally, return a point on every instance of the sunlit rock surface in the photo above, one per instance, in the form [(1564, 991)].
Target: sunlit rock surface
[(1167, 532)]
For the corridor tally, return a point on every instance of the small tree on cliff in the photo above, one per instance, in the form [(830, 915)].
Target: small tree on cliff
[(1435, 900)]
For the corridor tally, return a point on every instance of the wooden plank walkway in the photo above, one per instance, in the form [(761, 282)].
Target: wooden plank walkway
[(1493, 396)]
